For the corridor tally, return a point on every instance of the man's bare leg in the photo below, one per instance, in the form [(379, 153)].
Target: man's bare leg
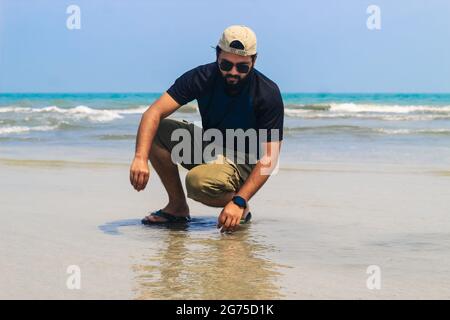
[(170, 177)]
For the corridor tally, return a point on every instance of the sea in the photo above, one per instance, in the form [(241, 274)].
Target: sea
[(393, 128)]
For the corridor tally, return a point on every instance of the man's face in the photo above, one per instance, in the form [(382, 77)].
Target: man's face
[(234, 77)]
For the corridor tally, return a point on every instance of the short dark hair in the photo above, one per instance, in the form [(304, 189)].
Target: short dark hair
[(218, 51)]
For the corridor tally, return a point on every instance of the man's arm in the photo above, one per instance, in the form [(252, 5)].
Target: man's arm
[(231, 213), (262, 170), (160, 109)]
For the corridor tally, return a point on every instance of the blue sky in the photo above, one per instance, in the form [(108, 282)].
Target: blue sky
[(304, 46)]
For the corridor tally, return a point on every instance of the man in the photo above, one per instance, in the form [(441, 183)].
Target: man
[(231, 94)]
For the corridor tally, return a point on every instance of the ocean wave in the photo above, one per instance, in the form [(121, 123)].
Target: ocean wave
[(22, 129), (368, 111), (138, 110), (353, 129), (365, 116), (116, 137), (309, 111), (18, 138), (373, 108), (308, 107), (78, 112), (188, 108), (326, 129), (85, 112), (440, 131), (21, 120)]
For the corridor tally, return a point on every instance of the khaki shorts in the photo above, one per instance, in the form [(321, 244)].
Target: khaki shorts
[(205, 179)]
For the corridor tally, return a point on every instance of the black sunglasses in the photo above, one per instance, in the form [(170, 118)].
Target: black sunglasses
[(226, 65)]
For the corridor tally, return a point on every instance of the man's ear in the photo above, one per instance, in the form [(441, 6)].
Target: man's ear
[(254, 59)]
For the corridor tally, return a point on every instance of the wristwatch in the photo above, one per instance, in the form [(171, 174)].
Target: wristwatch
[(240, 202)]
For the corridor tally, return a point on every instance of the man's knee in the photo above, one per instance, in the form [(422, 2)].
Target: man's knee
[(208, 181)]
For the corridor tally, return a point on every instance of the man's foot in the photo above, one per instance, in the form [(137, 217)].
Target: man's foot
[(174, 210)]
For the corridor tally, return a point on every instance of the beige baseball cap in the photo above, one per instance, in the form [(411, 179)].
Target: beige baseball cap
[(238, 39)]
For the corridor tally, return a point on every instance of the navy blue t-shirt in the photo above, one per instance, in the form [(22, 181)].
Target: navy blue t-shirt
[(257, 105)]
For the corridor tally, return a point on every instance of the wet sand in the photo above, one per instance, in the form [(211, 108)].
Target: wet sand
[(315, 230)]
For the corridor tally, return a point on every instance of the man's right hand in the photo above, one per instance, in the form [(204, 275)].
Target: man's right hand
[(160, 109), (139, 173)]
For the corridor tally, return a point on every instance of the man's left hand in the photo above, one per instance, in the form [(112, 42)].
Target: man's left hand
[(230, 217)]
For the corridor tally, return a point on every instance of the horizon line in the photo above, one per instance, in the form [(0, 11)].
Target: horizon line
[(160, 92)]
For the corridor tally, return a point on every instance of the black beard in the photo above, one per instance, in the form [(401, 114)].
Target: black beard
[(235, 88), (233, 77)]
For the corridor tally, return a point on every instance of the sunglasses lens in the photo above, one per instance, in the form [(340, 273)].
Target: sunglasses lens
[(225, 65), (242, 68)]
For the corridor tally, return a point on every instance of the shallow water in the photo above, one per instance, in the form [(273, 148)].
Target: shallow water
[(194, 261), (315, 230), (314, 243)]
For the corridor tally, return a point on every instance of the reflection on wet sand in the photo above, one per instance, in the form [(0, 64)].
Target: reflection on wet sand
[(196, 265)]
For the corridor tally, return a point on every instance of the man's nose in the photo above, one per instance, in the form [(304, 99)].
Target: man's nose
[(234, 71)]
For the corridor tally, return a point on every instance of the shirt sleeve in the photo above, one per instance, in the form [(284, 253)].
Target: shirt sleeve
[(189, 85), (270, 115)]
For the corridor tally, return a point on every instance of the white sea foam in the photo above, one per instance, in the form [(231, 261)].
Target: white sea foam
[(25, 119), (413, 131), (77, 113), (337, 110), (83, 112), (139, 110), (375, 112), (21, 129), (353, 107), (310, 111), (333, 129)]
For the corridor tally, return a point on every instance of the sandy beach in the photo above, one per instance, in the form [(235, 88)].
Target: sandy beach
[(316, 229)]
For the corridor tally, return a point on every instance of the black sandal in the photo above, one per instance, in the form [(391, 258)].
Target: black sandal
[(247, 219), (170, 218)]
